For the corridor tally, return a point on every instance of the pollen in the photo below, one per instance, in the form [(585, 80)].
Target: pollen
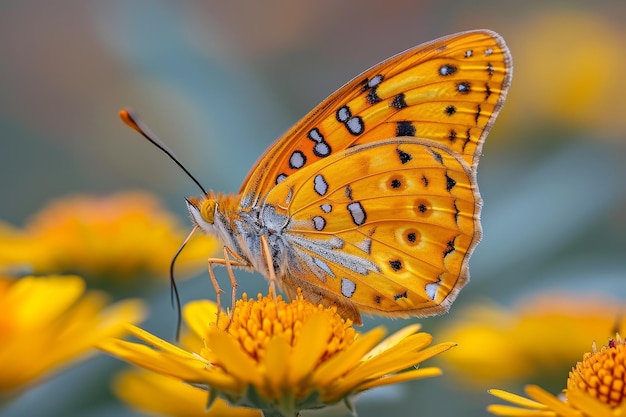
[(602, 374), (255, 322)]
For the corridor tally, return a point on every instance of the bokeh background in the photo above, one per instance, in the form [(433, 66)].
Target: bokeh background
[(219, 81)]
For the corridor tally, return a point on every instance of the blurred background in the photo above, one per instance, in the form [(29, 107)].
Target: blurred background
[(220, 81)]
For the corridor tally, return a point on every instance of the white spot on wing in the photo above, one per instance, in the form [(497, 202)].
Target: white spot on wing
[(336, 243), (315, 135), (319, 223), (324, 266), (343, 114), (357, 213), (347, 287), (297, 160), (321, 149), (355, 125), (326, 208), (365, 245), (321, 186), (375, 81), (326, 250), (431, 289)]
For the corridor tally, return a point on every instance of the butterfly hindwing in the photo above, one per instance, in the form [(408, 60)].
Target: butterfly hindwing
[(449, 91), (385, 227)]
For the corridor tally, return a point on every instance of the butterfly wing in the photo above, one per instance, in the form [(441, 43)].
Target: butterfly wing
[(449, 90), (386, 228)]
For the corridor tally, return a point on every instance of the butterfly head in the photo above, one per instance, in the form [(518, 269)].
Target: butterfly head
[(202, 211)]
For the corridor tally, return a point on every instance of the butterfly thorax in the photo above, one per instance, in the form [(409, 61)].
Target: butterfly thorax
[(222, 216)]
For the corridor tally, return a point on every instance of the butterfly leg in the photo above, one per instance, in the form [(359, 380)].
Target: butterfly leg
[(216, 285), (239, 261), (265, 248), (228, 263)]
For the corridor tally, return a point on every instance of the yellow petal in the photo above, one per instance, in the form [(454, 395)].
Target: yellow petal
[(516, 399), (402, 377), (393, 340), (276, 370), (347, 359), (551, 401), (508, 411), (231, 356), (588, 404), (149, 391), (40, 300), (156, 342), (182, 367), (401, 356), (199, 316), (311, 344), (386, 365)]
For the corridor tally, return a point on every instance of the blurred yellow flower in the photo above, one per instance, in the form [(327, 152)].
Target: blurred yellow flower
[(282, 357), (122, 236), (49, 322), (498, 345), (568, 74), (596, 388), (167, 396)]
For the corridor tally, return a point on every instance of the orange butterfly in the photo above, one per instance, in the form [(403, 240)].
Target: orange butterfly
[(370, 202)]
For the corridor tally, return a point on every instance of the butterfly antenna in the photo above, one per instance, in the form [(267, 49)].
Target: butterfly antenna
[(132, 119), (174, 296)]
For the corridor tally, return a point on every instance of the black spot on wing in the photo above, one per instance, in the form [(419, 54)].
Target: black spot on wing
[(449, 248), (404, 157), (450, 183), (436, 156), (450, 110), (372, 96), (405, 129), (395, 264), (399, 102)]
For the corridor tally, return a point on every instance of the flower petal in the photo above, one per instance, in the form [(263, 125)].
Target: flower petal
[(588, 404), (386, 364), (276, 370), (551, 401), (393, 340), (402, 377), (40, 300), (310, 347), (199, 315), (232, 357), (508, 411), (516, 399), (347, 359)]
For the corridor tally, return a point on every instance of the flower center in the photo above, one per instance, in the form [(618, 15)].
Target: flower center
[(255, 322), (602, 373)]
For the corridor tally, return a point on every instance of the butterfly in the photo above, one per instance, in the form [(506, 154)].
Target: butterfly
[(370, 203)]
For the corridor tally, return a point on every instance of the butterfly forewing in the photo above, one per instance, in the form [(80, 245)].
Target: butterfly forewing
[(449, 91), (386, 227)]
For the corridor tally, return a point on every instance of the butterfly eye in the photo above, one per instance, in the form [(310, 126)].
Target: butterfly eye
[(202, 212), (207, 210)]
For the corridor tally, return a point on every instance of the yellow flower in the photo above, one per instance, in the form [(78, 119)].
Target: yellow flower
[(596, 388), (122, 236), (168, 396), (282, 357), (48, 322), (498, 345), (583, 93)]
